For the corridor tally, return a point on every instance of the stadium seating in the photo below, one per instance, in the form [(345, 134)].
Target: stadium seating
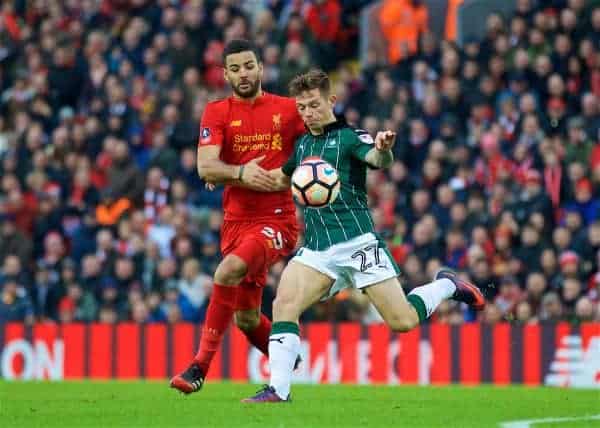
[(103, 217)]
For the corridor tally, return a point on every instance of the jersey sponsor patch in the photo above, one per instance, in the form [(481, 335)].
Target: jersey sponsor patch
[(366, 138)]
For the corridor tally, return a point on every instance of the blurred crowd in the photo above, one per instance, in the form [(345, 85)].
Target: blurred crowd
[(103, 216)]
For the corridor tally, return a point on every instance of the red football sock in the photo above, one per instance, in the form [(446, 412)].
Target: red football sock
[(259, 337), (218, 317)]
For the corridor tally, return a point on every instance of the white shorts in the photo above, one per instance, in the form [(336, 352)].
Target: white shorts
[(357, 263)]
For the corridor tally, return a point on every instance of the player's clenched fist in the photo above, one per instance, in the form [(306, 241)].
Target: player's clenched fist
[(255, 176), (384, 140)]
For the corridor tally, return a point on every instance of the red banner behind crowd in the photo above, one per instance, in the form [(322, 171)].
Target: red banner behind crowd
[(552, 354)]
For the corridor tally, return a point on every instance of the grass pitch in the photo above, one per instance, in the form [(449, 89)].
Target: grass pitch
[(153, 404)]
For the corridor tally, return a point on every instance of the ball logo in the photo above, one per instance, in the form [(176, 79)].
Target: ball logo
[(329, 171)]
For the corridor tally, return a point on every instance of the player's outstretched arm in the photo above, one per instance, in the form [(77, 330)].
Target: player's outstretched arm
[(381, 156), (213, 170), (280, 181)]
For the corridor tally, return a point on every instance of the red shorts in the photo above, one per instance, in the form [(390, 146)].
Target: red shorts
[(260, 244)]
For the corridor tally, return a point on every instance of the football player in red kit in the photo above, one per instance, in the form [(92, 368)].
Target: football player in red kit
[(241, 138)]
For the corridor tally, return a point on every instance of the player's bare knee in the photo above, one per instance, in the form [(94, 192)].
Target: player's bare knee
[(231, 271), (247, 321)]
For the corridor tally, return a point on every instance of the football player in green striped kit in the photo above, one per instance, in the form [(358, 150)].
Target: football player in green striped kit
[(341, 247)]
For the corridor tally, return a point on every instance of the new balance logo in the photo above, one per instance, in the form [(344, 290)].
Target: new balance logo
[(276, 339), (574, 365), (331, 143)]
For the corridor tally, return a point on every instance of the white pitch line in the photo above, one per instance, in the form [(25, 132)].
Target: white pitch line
[(526, 423)]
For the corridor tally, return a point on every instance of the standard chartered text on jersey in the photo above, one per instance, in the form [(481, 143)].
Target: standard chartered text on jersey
[(267, 141)]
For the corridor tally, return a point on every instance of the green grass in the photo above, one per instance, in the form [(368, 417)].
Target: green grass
[(152, 404)]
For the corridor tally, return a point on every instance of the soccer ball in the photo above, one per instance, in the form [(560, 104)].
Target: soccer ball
[(315, 183)]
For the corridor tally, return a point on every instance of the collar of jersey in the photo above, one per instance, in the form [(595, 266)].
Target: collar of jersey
[(257, 101), (339, 123)]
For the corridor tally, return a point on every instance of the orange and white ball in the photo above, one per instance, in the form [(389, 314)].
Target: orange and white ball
[(315, 183)]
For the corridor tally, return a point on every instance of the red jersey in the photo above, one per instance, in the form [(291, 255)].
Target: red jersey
[(246, 130)]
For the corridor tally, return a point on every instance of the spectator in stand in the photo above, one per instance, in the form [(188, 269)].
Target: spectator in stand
[(13, 307), (585, 311), (80, 302), (195, 285), (13, 241), (585, 204), (402, 22), (323, 18)]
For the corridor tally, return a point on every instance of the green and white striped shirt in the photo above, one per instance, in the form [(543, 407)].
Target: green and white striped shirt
[(348, 216)]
